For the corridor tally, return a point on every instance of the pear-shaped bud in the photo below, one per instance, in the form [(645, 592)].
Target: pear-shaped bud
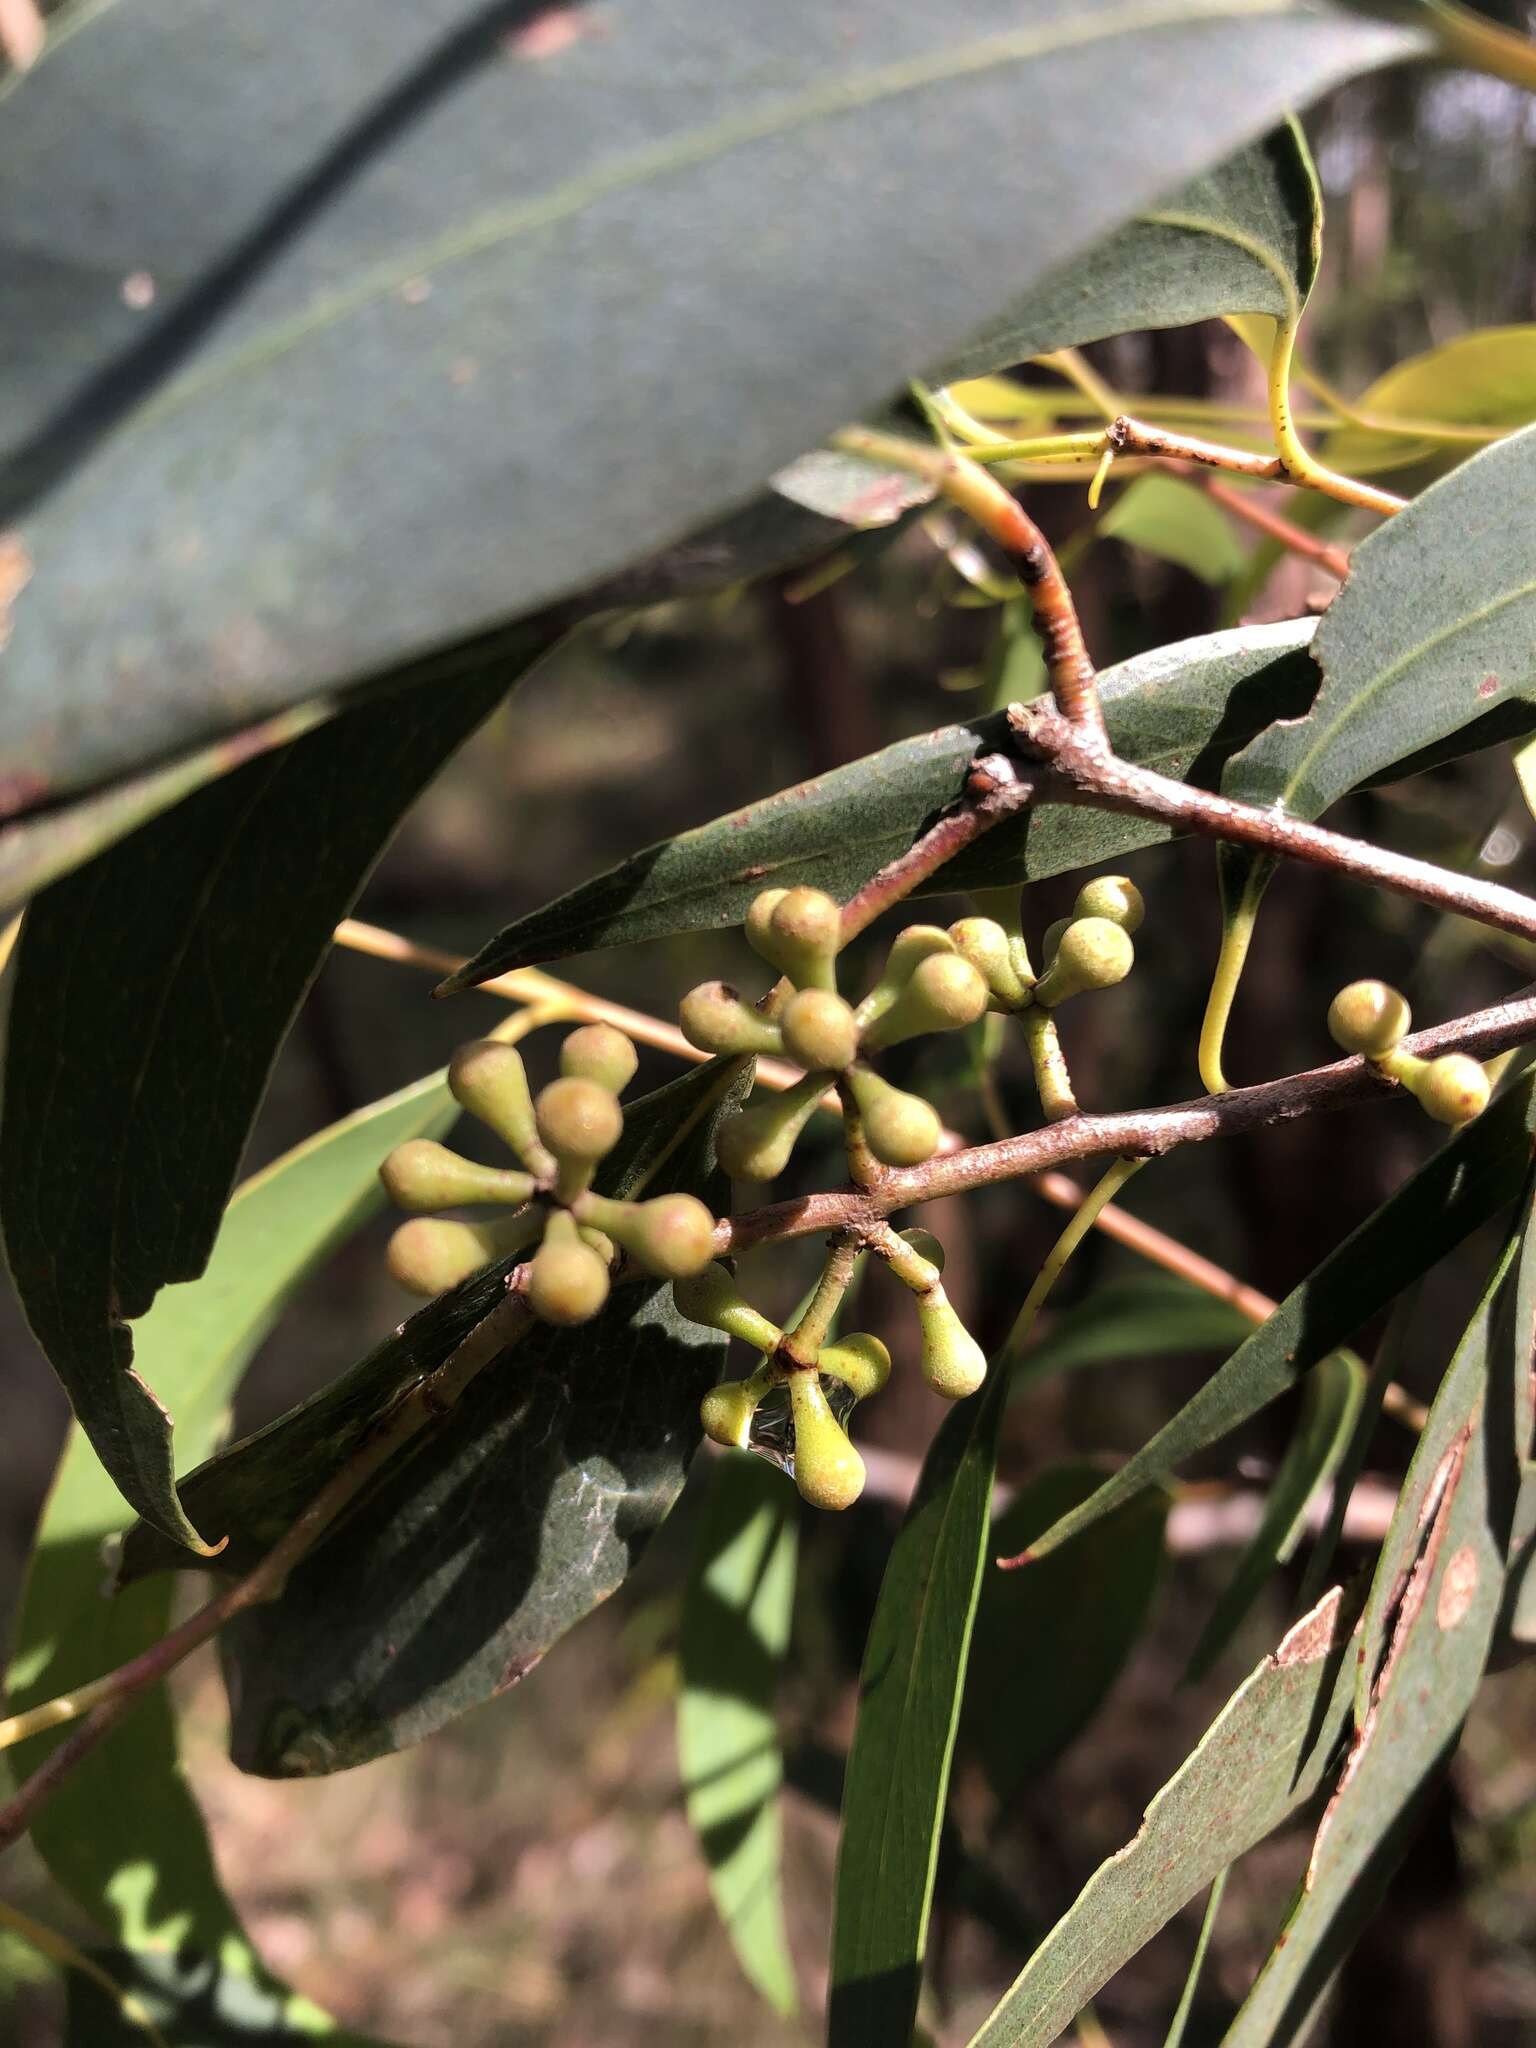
[(900, 1129), (600, 1242), (490, 1081), (1453, 1089), (861, 1362), (943, 993), (909, 948), (799, 932), (926, 1246), (430, 1254), (579, 1120), (600, 1053), (755, 1143), (828, 1471), (983, 942), (1092, 953), (954, 1364), (715, 1019), (713, 1299), (1115, 897), (1369, 1017), (819, 1031), (568, 1281), (671, 1235), (1052, 939), (423, 1175), (726, 1412)]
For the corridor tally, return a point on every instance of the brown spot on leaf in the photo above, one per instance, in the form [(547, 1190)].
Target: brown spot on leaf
[(1457, 1588)]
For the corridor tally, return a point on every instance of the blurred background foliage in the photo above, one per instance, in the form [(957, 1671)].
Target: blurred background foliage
[(530, 1876)]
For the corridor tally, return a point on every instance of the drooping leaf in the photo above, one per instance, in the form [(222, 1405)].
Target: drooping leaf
[(1051, 1638), (315, 370), (1145, 1315), (502, 1526), (1187, 1996), (736, 1617), (1411, 655), (151, 991), (1242, 238), (1434, 1602), (1486, 379), (1477, 1174), (1275, 1740), (910, 1688), (1177, 522), (1180, 709), (123, 1835), (1330, 1401)]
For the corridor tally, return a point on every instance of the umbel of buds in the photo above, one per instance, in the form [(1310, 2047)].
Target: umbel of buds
[(1372, 1018), (560, 1138)]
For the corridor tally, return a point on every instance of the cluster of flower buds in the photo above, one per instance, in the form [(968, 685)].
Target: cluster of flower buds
[(559, 1138), (827, 1469), (1370, 1017)]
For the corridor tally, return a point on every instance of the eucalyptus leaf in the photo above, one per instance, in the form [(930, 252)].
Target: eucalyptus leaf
[(1182, 710), (1486, 379), (1242, 238), (1478, 1173), (1176, 521), (736, 1618), (315, 342), (1051, 1638), (1330, 1402), (150, 992), (1274, 1741), (1144, 1315), (1434, 1602), (910, 1689)]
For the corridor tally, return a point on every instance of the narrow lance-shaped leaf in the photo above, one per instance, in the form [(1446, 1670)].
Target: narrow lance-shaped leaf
[(151, 991), (1276, 1738), (910, 1689), (372, 407), (125, 1814), (1434, 1602), (505, 1523), (1473, 1177), (736, 1618), (1145, 1315), (1330, 1401), (1242, 238)]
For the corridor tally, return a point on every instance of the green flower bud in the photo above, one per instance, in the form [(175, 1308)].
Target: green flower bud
[(600, 1242), (429, 1254), (954, 1364), (1368, 1017), (900, 1129), (798, 931), (581, 1122), (755, 1143), (726, 1412), (943, 993), (1091, 953), (1052, 939), (671, 1235), (421, 1174), (828, 1471), (568, 1281), (983, 941), (819, 1031), (489, 1080), (909, 948), (1453, 1089), (861, 1362), (715, 1019), (1115, 897), (600, 1053), (712, 1298), (926, 1246)]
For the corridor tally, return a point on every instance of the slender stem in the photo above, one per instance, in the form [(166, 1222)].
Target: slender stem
[(1073, 680), (1300, 464), (1104, 1190), (1344, 1084), (1137, 437), (1294, 538), (994, 790), (1053, 1081), (1467, 38), (431, 1398), (1084, 774), (50, 1943), (805, 1340), (1236, 937)]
